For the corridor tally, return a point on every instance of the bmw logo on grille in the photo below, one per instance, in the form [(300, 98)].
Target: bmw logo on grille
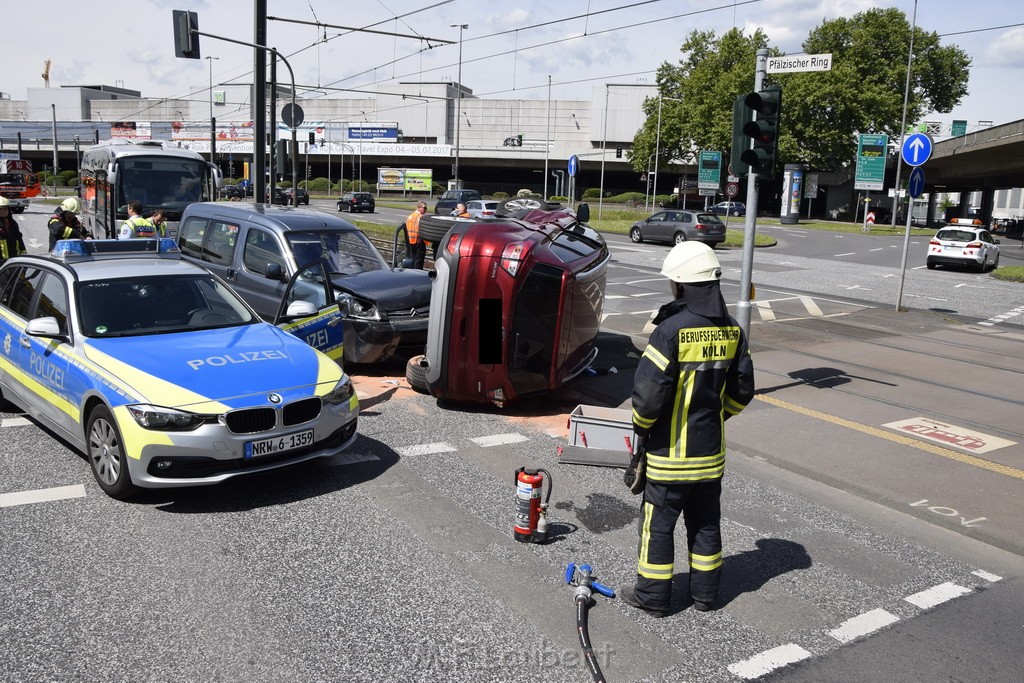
[(274, 398)]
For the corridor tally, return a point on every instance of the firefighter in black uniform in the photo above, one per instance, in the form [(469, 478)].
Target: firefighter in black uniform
[(695, 373), (64, 223), (11, 241)]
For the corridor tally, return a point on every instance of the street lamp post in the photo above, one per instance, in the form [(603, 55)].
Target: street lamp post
[(657, 144), (458, 108), (213, 126)]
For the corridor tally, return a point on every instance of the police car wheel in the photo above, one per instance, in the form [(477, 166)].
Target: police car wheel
[(107, 456), (416, 374)]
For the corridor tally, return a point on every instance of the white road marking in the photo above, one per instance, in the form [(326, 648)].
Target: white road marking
[(1002, 317), (768, 661), (499, 439), (849, 253), (15, 422), (427, 449), (988, 576), (937, 595), (878, 249), (764, 309), (809, 304), (42, 495), (862, 625)]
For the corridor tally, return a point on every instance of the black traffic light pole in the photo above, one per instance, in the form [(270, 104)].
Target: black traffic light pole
[(750, 225), (186, 25)]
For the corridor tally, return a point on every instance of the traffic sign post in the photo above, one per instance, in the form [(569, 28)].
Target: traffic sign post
[(915, 150)]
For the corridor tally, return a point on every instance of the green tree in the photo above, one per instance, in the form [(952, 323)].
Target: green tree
[(822, 111), (697, 96), (863, 92)]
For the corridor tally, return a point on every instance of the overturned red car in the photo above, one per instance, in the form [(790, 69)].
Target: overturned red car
[(516, 303)]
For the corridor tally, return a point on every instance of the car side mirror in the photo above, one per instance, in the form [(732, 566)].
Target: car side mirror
[(997, 241), (406, 263), (43, 327), (300, 309), (583, 213), (275, 272)]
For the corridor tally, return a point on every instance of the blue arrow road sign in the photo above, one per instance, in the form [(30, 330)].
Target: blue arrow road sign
[(915, 184), (574, 165), (916, 150)]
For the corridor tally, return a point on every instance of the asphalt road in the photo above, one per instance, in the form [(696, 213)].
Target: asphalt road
[(870, 551)]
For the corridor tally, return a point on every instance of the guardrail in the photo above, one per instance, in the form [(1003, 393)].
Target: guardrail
[(386, 247)]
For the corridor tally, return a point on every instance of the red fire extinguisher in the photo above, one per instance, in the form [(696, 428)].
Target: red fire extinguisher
[(531, 523)]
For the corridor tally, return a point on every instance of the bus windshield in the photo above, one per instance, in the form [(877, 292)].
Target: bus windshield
[(165, 182)]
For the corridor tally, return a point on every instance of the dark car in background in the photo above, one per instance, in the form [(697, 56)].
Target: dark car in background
[(235, 192), (515, 306), (679, 226), (289, 193), (729, 209), (258, 249), (447, 202), (357, 201)]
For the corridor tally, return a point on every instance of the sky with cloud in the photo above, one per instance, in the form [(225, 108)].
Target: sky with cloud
[(508, 50)]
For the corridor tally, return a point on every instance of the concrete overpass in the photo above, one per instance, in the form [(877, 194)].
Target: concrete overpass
[(986, 160)]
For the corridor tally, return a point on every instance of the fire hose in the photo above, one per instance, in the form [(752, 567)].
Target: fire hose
[(582, 577)]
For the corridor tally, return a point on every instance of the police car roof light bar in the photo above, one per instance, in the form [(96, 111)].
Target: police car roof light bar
[(163, 246)]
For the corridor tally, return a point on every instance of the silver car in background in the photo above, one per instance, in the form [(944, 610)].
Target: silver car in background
[(679, 226)]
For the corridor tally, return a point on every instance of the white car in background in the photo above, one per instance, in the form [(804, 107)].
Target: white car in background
[(967, 245), (482, 208)]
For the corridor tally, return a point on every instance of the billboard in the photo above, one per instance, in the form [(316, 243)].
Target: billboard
[(135, 130), (405, 179)]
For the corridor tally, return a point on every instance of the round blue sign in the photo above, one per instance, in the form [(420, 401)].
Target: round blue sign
[(574, 165), (915, 184), (916, 149)]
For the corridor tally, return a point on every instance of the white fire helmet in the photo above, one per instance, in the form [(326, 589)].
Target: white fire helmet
[(692, 262), (71, 205)]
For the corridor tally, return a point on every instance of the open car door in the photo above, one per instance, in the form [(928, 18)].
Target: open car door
[(308, 311)]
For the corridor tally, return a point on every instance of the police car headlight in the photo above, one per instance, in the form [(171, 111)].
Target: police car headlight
[(165, 419), (353, 307), (341, 392)]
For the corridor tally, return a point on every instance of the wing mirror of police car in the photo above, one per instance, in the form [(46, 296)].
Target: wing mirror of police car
[(300, 309), (275, 272), (44, 327)]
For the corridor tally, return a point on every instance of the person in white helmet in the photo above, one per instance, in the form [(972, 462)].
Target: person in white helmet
[(11, 241), (695, 373), (64, 223)]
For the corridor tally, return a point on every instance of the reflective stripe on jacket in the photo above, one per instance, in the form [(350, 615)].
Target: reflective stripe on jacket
[(136, 226), (694, 372)]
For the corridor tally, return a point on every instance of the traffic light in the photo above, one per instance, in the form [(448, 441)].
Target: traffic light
[(741, 116), (519, 140), (312, 137), (763, 130), (186, 38), (281, 160), (618, 152)]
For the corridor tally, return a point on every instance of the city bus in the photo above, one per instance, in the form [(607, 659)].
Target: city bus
[(157, 173)]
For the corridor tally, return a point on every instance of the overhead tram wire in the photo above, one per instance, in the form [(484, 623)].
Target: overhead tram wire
[(553, 42)]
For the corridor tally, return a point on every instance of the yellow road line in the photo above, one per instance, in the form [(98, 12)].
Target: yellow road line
[(897, 438)]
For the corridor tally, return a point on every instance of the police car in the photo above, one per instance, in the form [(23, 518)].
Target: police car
[(964, 242), (159, 372)]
